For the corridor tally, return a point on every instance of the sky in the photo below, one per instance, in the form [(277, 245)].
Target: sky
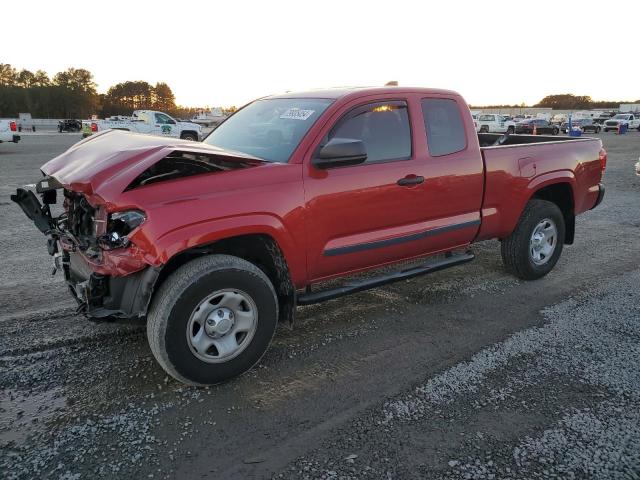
[(223, 53)]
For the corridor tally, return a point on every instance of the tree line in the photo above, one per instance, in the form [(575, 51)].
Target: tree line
[(568, 101), (72, 94)]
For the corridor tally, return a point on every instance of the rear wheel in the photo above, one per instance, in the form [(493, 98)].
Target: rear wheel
[(510, 130), (533, 249), (484, 129), (555, 130), (212, 319)]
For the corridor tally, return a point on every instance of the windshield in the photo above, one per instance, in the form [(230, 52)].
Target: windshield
[(486, 118), (269, 129), (623, 117)]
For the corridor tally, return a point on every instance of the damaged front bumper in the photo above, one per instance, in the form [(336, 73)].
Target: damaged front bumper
[(101, 296), (105, 283)]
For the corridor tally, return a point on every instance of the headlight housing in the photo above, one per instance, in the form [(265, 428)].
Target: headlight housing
[(119, 226)]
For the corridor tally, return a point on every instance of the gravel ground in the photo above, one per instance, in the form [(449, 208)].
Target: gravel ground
[(589, 346), (468, 373)]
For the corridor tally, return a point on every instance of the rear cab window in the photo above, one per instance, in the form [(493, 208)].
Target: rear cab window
[(444, 126), (383, 127)]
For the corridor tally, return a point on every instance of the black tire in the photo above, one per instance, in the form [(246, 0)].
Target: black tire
[(192, 137), (516, 248), (555, 131), (510, 130), (484, 129), (180, 295), (598, 129)]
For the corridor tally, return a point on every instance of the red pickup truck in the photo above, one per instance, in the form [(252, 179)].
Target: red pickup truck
[(216, 242)]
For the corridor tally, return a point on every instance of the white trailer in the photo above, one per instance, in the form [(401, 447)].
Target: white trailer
[(630, 108)]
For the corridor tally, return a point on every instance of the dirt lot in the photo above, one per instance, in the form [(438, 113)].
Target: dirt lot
[(468, 373)]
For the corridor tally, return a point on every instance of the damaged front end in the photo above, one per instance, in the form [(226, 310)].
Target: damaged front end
[(105, 272)]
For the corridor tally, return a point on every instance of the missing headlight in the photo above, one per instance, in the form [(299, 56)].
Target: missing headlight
[(119, 225)]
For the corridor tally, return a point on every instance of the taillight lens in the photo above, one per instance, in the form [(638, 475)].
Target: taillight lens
[(94, 127), (13, 126), (603, 159)]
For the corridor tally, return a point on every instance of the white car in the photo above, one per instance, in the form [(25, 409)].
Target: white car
[(9, 131), (149, 122), (494, 123), (632, 121), (209, 118)]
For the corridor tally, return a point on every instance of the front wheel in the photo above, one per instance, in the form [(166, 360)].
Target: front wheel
[(189, 136), (510, 130), (212, 319), (556, 131), (533, 248)]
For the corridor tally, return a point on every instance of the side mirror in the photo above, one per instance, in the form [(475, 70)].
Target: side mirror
[(340, 152)]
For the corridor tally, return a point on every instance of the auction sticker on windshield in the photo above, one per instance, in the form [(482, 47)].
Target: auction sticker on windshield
[(297, 114)]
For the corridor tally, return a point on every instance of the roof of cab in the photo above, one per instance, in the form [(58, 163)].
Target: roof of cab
[(340, 92)]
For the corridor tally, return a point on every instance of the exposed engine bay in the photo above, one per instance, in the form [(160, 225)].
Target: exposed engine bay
[(106, 273), (181, 164)]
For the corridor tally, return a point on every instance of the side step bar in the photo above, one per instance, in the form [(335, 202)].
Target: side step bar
[(368, 283)]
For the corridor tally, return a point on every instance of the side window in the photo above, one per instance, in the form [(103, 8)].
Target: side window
[(444, 126), (162, 118), (383, 127)]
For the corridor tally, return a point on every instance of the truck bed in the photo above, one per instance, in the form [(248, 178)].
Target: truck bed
[(488, 139), (527, 163)]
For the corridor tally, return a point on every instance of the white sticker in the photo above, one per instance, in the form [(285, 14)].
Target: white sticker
[(297, 114), (44, 184)]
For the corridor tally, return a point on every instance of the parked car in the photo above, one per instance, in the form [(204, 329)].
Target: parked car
[(216, 242), (69, 125), (583, 124), (494, 123), (149, 122), (9, 131), (631, 120), (603, 117), (541, 126), (209, 118)]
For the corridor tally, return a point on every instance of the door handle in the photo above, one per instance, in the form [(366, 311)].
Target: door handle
[(410, 180)]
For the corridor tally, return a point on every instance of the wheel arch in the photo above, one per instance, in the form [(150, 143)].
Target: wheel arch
[(189, 132), (561, 193), (259, 249)]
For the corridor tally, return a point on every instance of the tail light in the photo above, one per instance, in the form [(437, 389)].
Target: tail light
[(603, 159), (94, 127), (13, 126)]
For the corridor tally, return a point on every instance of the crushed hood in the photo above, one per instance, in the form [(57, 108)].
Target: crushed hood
[(106, 163)]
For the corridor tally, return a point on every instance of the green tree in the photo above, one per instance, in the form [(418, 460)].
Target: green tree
[(566, 101), (41, 79), (76, 79), (164, 99), (25, 78), (8, 75), (123, 98)]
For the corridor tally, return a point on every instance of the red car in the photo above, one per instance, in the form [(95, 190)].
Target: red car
[(216, 242)]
